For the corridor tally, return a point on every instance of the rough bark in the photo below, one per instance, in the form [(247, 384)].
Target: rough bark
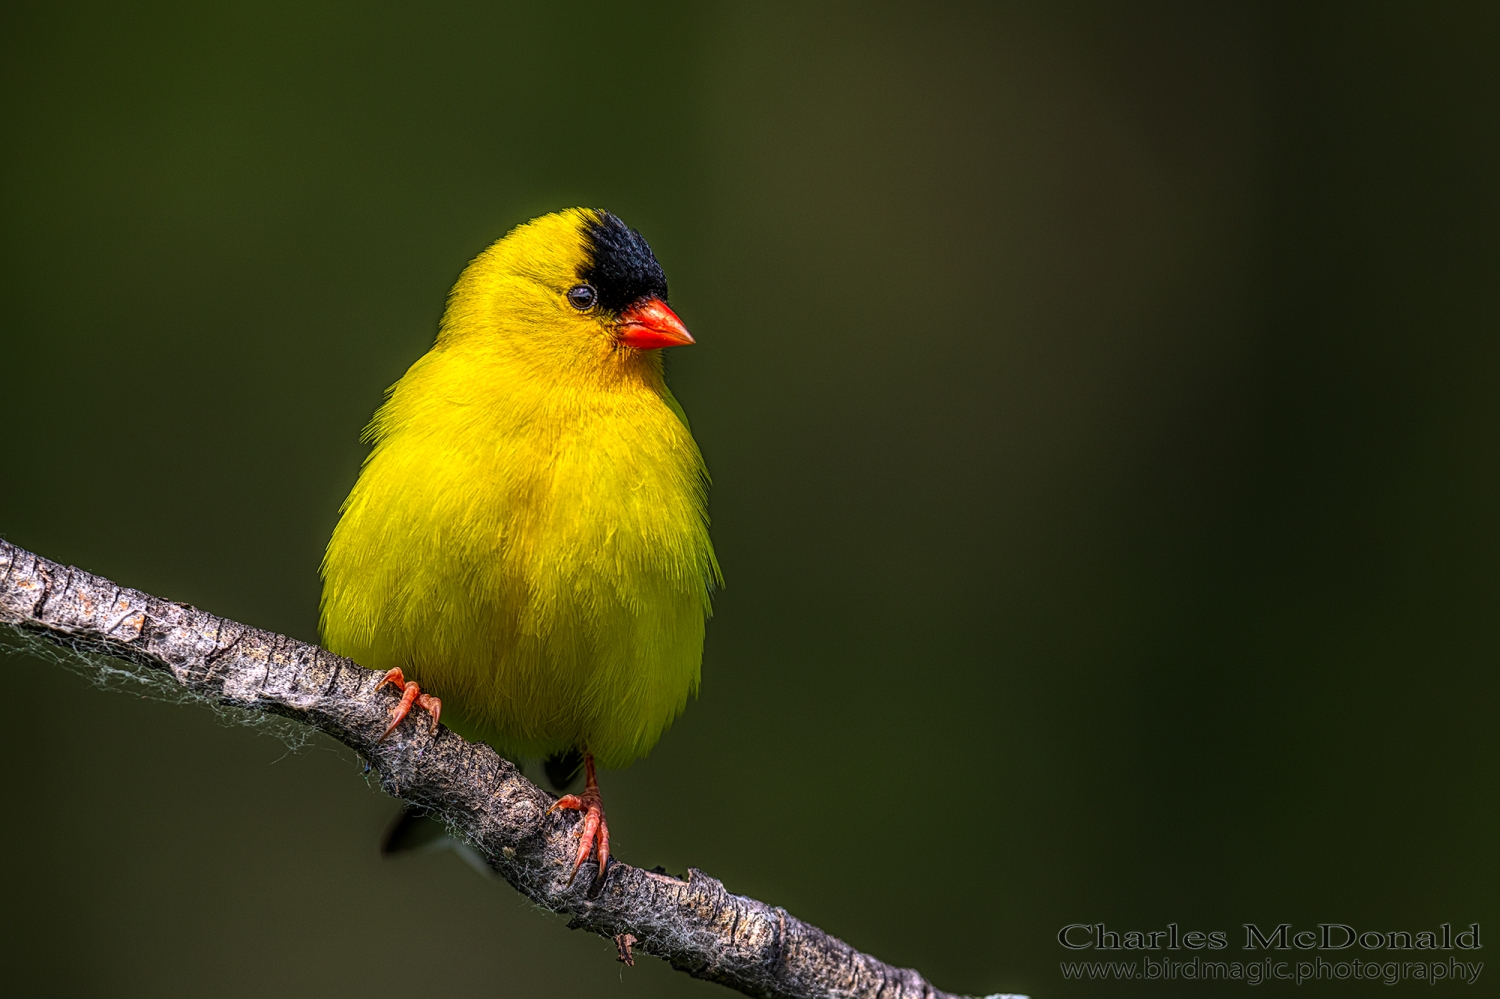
[(696, 924)]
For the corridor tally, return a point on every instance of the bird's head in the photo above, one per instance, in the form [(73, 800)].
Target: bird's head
[(574, 288)]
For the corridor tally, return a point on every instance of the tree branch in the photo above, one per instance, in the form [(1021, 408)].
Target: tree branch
[(695, 924)]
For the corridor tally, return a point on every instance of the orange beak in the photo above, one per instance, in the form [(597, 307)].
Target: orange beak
[(649, 324)]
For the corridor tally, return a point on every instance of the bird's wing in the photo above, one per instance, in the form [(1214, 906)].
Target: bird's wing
[(675, 406)]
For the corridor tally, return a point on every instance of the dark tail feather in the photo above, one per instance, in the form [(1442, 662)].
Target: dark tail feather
[(411, 830), (562, 768)]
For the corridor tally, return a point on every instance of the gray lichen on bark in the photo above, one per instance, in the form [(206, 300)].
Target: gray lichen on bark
[(696, 925)]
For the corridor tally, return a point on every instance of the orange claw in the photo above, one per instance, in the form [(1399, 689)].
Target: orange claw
[(594, 826), (410, 694)]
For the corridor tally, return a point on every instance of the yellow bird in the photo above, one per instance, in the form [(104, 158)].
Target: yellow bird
[(528, 537)]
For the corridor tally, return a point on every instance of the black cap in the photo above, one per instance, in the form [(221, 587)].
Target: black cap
[(621, 266)]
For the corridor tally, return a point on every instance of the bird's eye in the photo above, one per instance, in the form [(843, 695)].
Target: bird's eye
[(582, 297)]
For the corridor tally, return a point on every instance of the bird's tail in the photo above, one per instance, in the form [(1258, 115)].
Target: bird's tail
[(413, 829)]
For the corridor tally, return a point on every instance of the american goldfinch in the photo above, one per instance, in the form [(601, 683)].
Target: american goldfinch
[(528, 538)]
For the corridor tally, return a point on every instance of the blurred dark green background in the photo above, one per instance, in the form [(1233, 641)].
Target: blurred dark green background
[(1101, 401)]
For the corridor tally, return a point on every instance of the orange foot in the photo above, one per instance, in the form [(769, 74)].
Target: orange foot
[(594, 826), (410, 694)]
